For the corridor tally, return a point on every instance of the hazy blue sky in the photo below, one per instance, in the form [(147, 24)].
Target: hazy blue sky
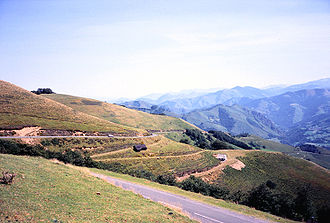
[(133, 48)]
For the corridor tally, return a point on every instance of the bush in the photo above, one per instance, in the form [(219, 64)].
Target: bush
[(197, 185), (7, 177), (166, 179)]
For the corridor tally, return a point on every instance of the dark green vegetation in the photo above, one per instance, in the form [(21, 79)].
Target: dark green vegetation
[(121, 115), (213, 140), (43, 91), (45, 191), (233, 119), (20, 107), (317, 155)]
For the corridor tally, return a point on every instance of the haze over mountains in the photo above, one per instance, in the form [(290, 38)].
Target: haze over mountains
[(302, 110)]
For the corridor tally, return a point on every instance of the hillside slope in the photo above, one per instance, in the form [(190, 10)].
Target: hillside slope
[(44, 191), (233, 119), (120, 114), (288, 173), (19, 107)]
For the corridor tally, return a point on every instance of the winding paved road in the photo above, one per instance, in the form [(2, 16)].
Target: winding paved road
[(196, 210), (39, 137)]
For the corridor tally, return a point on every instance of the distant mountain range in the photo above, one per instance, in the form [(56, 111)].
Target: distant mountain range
[(187, 101), (292, 107), (293, 114), (233, 119)]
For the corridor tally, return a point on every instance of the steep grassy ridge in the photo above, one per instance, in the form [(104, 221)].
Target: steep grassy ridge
[(120, 114), (20, 107), (47, 192)]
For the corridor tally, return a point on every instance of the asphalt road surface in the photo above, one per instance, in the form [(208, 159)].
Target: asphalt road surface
[(196, 210), (39, 137)]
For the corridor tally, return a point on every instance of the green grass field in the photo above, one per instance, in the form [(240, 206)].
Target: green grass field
[(20, 107), (44, 191), (121, 115)]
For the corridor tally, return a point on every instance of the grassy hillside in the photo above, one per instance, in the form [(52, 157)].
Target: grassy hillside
[(120, 114), (20, 107), (288, 173), (44, 191), (163, 155), (322, 158)]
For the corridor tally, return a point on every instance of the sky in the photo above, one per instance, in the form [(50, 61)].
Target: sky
[(129, 48)]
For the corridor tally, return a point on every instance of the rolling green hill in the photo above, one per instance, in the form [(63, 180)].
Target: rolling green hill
[(120, 114), (19, 107), (44, 191)]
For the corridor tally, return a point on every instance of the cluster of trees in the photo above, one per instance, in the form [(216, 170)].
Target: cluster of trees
[(309, 148), (43, 91), (227, 138), (213, 140), (263, 197)]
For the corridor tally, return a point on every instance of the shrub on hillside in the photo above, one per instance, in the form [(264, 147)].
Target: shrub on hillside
[(43, 91), (7, 178)]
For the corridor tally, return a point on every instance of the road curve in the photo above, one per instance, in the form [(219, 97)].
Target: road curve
[(196, 210)]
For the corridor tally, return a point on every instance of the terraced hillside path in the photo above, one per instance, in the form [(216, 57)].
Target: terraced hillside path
[(155, 157), (199, 211), (120, 150)]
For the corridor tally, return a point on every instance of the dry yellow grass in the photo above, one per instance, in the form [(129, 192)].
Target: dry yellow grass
[(21, 107)]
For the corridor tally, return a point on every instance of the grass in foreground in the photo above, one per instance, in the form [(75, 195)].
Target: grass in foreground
[(44, 191)]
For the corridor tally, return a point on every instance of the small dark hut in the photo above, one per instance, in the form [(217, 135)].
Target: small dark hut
[(138, 148)]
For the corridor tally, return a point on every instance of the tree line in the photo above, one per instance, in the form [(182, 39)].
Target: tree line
[(213, 140)]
